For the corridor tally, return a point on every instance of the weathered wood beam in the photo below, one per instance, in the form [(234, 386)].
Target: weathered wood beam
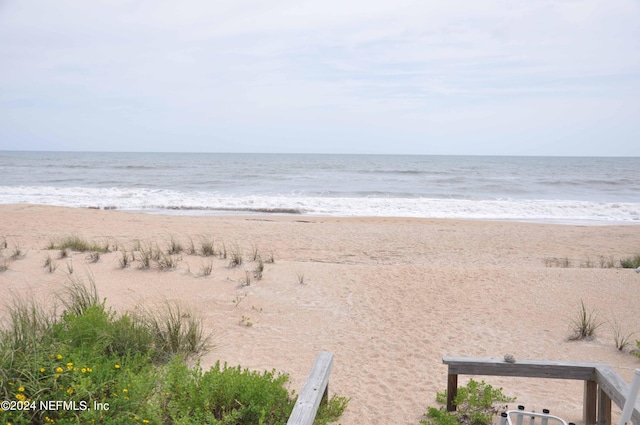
[(315, 389), (524, 368), (617, 389)]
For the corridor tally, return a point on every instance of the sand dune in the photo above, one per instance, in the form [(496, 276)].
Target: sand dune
[(389, 297)]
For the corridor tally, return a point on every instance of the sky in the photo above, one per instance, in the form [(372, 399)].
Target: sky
[(503, 77)]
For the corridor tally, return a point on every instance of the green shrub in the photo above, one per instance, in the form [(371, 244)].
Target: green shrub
[(93, 357), (630, 262), (476, 404)]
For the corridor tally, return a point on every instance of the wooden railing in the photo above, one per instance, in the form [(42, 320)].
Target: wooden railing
[(314, 391), (601, 383)]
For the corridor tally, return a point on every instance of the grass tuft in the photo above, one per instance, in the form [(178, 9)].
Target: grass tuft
[(584, 324), (177, 331), (50, 265), (236, 257), (144, 257), (621, 339), (206, 247), (125, 259), (246, 280), (206, 269), (167, 261), (257, 272), (175, 247), (93, 257), (17, 253), (78, 244), (78, 298)]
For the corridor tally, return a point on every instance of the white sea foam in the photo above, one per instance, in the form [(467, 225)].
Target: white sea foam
[(183, 202)]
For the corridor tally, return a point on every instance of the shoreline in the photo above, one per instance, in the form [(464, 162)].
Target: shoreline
[(388, 296), (230, 212)]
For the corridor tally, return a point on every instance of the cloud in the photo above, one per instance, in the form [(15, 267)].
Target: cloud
[(464, 70)]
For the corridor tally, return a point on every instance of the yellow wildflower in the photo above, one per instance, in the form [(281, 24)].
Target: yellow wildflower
[(59, 357), (20, 397), (69, 390), (59, 369), (69, 366), (21, 389), (117, 366), (124, 390), (42, 370), (84, 370)]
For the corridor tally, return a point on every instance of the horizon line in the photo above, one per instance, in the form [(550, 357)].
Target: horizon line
[(316, 153)]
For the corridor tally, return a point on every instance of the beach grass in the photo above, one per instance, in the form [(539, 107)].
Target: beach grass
[(167, 261), (207, 248), (50, 265), (584, 324), (175, 247), (125, 259), (259, 270), (236, 257), (78, 244), (206, 269), (246, 280), (621, 339), (93, 256)]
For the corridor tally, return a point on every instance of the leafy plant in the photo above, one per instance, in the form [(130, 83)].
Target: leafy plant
[(636, 352), (476, 404)]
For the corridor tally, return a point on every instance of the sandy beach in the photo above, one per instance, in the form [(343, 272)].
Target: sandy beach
[(388, 296)]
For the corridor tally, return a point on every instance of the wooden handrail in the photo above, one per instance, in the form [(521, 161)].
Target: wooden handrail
[(314, 391), (601, 383)]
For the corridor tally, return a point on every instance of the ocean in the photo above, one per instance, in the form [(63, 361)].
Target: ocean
[(582, 190)]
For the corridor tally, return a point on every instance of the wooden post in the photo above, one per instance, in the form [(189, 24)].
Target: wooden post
[(452, 391), (604, 408), (590, 402)]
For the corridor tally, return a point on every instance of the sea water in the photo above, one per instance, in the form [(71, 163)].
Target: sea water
[(551, 189)]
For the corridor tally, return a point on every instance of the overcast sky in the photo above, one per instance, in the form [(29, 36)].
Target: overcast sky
[(507, 77)]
